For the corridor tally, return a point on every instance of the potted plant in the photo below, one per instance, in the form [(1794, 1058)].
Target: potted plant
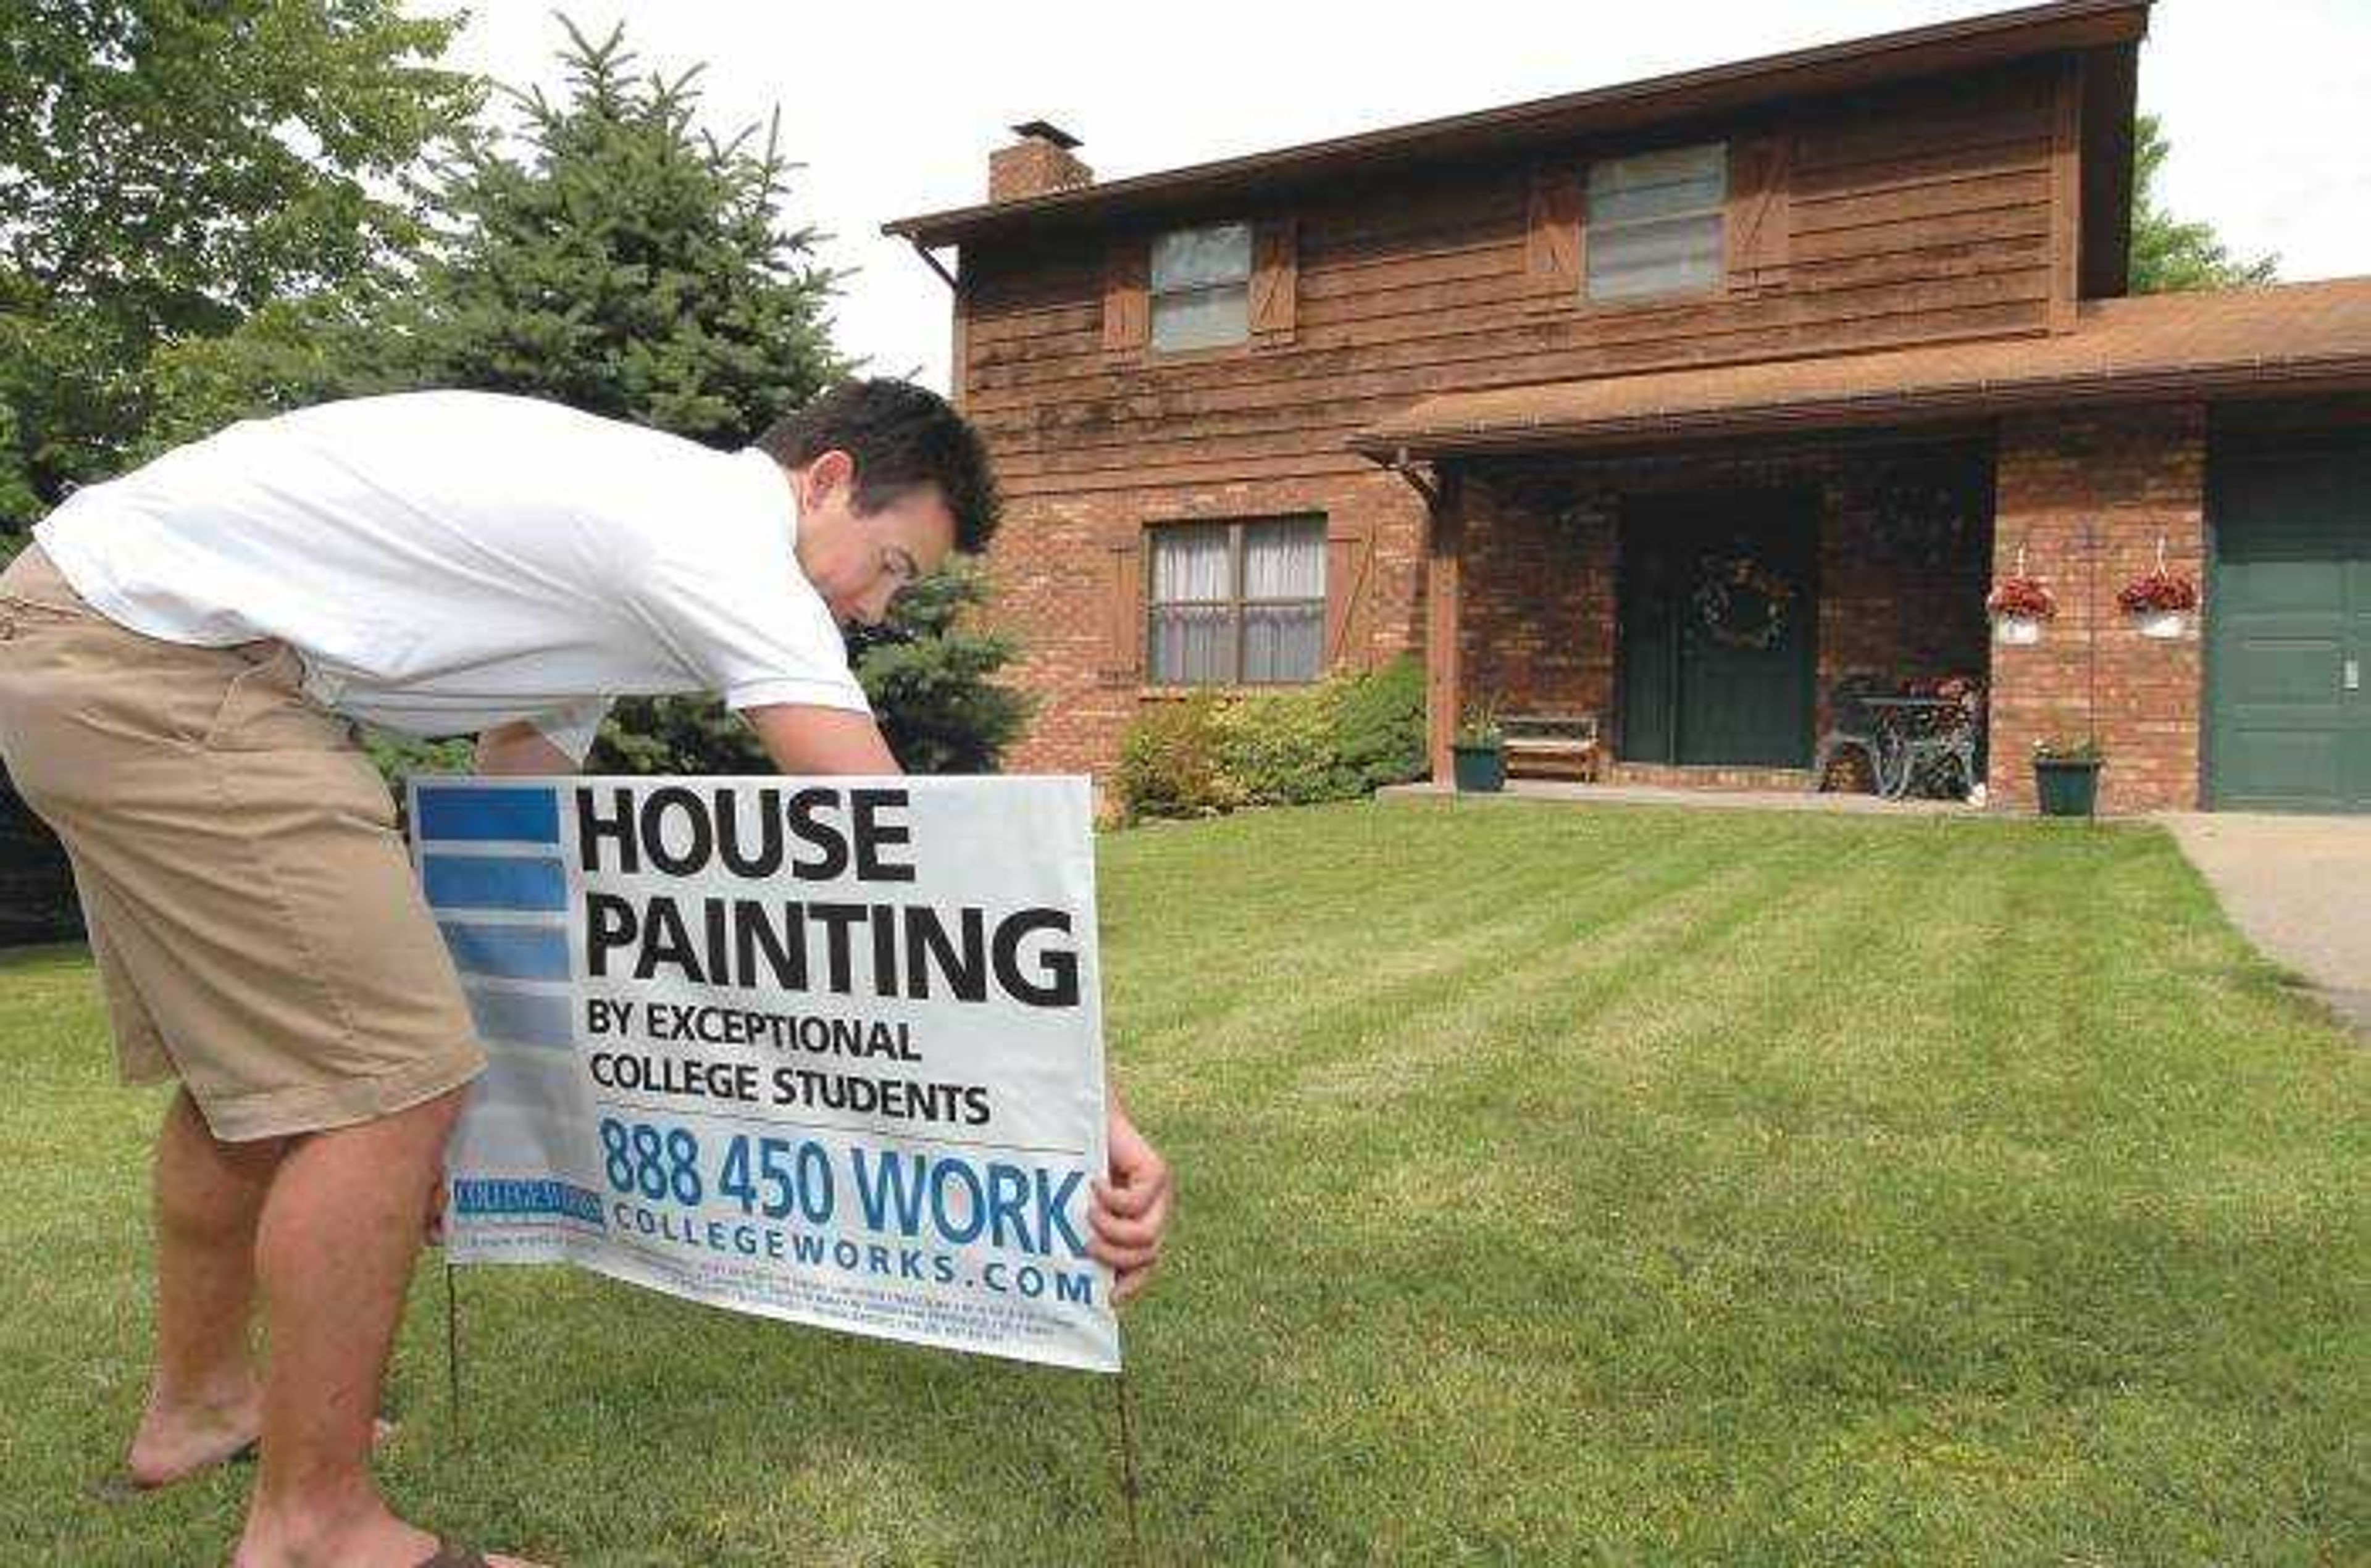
[(1478, 751), (2018, 605), (2066, 775), (2160, 601)]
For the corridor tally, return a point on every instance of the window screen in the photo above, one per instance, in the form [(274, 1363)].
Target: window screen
[(1655, 223), (1201, 287)]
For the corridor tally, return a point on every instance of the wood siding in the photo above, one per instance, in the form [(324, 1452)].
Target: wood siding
[(1918, 213)]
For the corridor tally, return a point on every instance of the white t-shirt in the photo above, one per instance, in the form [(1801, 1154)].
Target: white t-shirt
[(447, 561)]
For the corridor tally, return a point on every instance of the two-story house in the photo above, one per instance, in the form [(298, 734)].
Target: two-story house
[(1678, 402)]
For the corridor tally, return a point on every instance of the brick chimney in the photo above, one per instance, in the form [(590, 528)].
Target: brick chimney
[(1038, 165)]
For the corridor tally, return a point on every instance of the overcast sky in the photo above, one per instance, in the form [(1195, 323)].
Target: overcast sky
[(893, 108)]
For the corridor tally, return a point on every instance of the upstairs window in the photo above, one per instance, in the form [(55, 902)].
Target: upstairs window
[(1654, 225), (1236, 603), (1201, 287)]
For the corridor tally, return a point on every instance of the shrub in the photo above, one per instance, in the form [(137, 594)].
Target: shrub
[(1379, 724), (1337, 740), (1280, 748), (1169, 761)]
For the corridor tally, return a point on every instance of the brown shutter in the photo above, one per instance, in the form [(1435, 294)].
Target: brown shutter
[(1127, 310), (1349, 591), (1276, 279), (1761, 169), (1552, 241), (1123, 614)]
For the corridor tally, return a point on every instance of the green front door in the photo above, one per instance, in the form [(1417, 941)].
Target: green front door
[(1717, 607), (2288, 631)]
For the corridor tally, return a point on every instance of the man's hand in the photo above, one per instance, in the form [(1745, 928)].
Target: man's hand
[(1131, 1209)]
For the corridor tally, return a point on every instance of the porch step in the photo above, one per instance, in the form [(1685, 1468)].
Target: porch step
[(1663, 775)]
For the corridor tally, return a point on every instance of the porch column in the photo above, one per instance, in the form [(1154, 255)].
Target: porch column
[(1443, 665)]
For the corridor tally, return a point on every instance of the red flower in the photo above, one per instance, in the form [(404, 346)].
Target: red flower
[(2024, 597), (2157, 594)]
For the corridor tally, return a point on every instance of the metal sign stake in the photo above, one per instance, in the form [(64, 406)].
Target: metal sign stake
[(452, 1358), (1128, 1473)]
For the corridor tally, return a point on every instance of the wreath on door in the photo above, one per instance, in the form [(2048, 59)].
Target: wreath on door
[(1742, 603)]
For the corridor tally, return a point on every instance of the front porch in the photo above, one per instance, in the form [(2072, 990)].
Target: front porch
[(1707, 609)]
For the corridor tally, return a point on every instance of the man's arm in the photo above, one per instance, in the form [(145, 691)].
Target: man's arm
[(804, 739), (520, 749)]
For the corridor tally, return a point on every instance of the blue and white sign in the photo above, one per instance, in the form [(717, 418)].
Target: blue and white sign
[(827, 1051)]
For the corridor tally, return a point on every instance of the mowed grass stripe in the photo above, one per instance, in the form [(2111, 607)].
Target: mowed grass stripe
[(1560, 1186)]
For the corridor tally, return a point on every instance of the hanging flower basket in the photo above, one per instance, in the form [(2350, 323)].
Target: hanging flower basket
[(2160, 602), (2018, 606)]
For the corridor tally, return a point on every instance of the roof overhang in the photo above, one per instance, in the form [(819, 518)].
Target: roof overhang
[(1964, 44), (2291, 341)]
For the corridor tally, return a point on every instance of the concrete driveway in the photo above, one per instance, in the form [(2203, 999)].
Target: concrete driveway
[(2300, 888)]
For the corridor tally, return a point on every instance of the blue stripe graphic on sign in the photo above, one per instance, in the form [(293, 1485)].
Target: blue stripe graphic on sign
[(483, 881), (522, 1018), (509, 952), (529, 816)]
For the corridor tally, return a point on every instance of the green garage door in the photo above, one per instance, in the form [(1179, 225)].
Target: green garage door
[(2288, 618)]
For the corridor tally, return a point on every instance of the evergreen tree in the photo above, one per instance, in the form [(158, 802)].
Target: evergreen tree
[(931, 674), (2171, 256), (630, 264)]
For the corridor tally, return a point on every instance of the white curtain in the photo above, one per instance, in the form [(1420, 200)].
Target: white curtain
[(1197, 613), (1284, 599), (1193, 621)]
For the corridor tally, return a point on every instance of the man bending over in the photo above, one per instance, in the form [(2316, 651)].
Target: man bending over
[(184, 654)]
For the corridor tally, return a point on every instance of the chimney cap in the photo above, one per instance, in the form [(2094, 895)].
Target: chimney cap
[(1046, 130)]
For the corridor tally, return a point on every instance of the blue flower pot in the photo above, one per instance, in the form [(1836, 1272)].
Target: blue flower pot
[(1480, 770)]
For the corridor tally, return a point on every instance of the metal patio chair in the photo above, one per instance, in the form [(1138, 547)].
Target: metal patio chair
[(1852, 723), (1945, 747)]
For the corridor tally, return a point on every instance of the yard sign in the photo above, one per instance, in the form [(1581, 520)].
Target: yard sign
[(826, 1051)]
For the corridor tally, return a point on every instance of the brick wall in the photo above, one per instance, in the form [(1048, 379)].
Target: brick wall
[(2136, 475), (1535, 623)]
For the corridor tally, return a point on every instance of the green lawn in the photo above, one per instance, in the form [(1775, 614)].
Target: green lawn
[(1560, 1186)]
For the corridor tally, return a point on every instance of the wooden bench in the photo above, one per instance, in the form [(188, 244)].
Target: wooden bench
[(1553, 745)]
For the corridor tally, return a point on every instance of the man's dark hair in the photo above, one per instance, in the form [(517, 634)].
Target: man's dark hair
[(901, 435)]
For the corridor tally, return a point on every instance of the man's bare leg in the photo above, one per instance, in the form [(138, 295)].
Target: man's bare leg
[(334, 1252), (203, 1405)]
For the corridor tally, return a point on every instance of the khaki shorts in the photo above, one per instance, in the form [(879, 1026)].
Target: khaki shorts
[(257, 926)]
